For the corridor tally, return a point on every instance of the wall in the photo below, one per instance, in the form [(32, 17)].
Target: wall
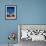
[(28, 12)]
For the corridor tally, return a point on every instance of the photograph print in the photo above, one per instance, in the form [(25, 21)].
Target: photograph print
[(10, 12)]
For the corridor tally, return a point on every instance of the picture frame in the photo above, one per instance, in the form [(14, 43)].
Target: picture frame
[(10, 12)]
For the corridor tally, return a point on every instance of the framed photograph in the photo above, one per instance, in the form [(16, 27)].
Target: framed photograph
[(10, 12)]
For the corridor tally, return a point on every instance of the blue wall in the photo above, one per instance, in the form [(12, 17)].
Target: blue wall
[(28, 12)]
